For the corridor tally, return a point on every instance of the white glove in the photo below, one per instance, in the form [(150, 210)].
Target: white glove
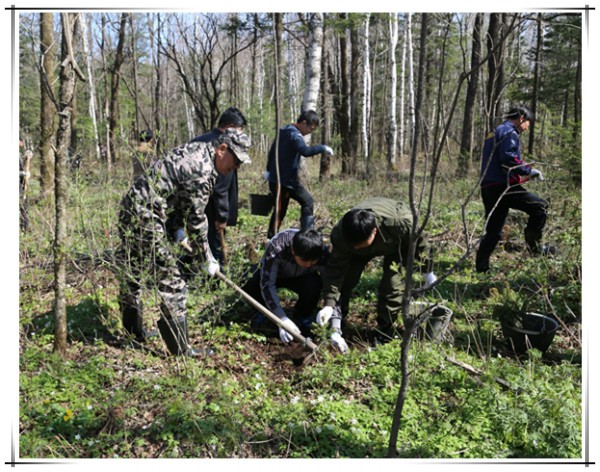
[(536, 174), (284, 334), (430, 278), (338, 342), (324, 315), (185, 244), (328, 151), (212, 267)]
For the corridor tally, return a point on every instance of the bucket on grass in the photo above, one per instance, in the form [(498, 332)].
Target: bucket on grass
[(537, 332), (437, 323), (261, 204)]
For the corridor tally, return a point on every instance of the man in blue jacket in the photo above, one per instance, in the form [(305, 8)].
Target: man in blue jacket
[(502, 173), (290, 151)]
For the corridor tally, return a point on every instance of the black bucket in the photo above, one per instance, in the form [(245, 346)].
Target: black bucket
[(537, 332), (261, 204)]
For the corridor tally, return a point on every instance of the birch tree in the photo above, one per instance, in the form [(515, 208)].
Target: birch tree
[(366, 96), (313, 62), (392, 135), (403, 91), (90, 81)]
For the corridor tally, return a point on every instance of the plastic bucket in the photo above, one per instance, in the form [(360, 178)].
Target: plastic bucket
[(261, 204), (537, 332), (437, 323)]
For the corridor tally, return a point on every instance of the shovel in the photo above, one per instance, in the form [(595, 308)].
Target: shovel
[(223, 247), (297, 336)]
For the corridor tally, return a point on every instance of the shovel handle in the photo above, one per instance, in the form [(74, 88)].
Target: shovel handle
[(223, 247), (267, 313)]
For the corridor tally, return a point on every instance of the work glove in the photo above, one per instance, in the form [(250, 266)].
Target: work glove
[(212, 267), (328, 151), (430, 278), (324, 315), (266, 174), (179, 235), (536, 174), (338, 342), (284, 334)]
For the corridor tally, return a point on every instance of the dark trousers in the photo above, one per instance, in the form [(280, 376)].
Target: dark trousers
[(302, 196), (389, 293), (497, 206), (214, 241), (307, 287)]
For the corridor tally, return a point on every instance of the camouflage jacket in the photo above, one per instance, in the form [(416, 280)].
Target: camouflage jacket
[(179, 186)]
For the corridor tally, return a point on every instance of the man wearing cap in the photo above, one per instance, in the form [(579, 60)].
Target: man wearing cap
[(179, 185), (502, 173)]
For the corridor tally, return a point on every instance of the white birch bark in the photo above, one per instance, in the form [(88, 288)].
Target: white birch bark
[(411, 81), (313, 62), (392, 125), (401, 119), (366, 106), (90, 80)]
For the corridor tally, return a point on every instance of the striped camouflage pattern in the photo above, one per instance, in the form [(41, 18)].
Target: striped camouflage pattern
[(177, 186)]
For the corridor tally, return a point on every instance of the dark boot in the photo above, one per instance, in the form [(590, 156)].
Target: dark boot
[(533, 238), (307, 222), (174, 331), (482, 262), (132, 319)]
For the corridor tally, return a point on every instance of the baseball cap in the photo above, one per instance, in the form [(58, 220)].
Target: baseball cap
[(238, 142)]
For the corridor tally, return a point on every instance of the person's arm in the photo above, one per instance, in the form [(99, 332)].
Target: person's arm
[(268, 280), (336, 268), (299, 145)]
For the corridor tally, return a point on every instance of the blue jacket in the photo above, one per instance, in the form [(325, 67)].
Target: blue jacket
[(291, 147), (503, 152)]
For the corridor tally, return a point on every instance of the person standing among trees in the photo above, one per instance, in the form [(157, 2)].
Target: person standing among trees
[(145, 154), (222, 208), (375, 227), (502, 173), (292, 147), (179, 185)]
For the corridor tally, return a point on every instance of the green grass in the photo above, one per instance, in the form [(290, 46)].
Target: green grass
[(251, 399)]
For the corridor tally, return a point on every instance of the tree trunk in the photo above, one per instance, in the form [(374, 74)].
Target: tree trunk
[(135, 77), (535, 95), (325, 166), (278, 26), (67, 87), (411, 84), (355, 95), (366, 98), (403, 92), (90, 83), (47, 105), (495, 69), (344, 110), (392, 135), (113, 114), (103, 48), (313, 62), (409, 324), (466, 142)]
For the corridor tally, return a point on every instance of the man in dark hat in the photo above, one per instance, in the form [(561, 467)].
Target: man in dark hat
[(502, 173), (178, 184)]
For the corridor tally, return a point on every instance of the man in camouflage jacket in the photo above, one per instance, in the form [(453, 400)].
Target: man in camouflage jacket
[(375, 227), (178, 184)]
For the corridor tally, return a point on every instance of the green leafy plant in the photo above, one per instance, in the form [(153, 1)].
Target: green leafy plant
[(509, 307)]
